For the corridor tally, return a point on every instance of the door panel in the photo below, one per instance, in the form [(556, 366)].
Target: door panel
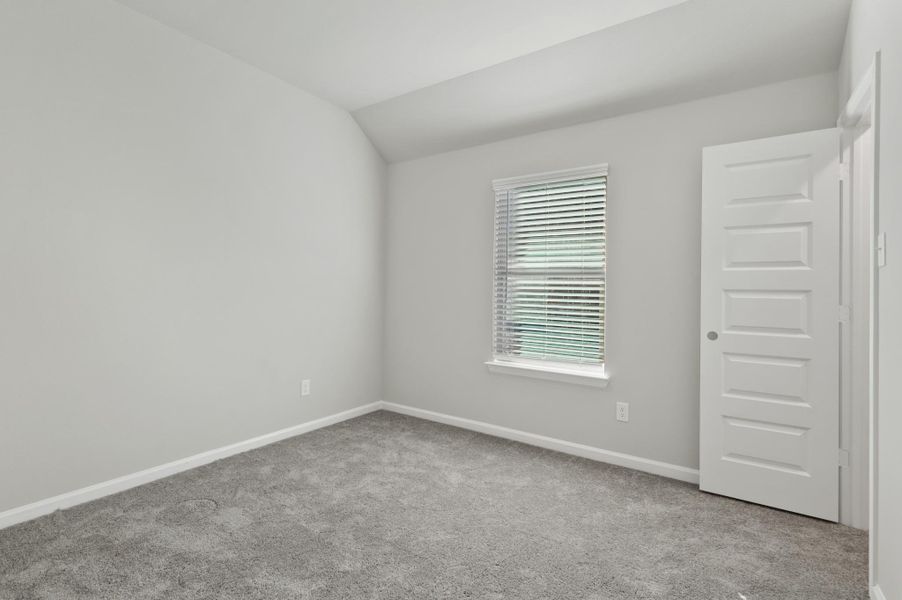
[(770, 300)]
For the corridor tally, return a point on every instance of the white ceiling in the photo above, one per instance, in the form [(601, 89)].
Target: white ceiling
[(697, 49), (359, 52), (427, 76)]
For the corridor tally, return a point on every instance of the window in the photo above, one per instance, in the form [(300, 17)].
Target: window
[(549, 296)]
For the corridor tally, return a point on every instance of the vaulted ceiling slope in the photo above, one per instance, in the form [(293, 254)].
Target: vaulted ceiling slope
[(696, 49), (428, 76), (360, 52)]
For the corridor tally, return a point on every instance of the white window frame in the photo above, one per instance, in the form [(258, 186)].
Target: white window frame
[(594, 375)]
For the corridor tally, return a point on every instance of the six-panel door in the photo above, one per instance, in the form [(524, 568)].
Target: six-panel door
[(770, 301)]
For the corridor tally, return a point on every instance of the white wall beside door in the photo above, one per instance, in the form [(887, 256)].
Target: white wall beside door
[(439, 236)]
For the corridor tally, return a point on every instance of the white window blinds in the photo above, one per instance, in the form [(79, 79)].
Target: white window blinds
[(549, 297)]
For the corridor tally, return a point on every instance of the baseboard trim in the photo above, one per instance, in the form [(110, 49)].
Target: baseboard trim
[(607, 456), (877, 593), (120, 484)]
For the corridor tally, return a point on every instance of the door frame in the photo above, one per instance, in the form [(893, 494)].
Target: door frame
[(859, 122)]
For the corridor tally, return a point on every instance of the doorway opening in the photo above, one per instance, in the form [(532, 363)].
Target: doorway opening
[(858, 375)]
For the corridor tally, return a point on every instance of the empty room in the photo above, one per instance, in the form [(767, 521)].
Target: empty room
[(451, 299)]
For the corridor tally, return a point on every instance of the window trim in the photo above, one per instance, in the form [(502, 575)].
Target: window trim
[(594, 375), (590, 375), (550, 177)]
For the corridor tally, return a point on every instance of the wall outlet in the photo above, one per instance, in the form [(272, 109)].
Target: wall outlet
[(305, 387), (623, 411)]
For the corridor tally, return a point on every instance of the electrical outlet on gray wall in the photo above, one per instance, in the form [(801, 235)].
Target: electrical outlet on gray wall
[(623, 411)]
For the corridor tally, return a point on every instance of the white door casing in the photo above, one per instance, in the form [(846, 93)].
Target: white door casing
[(770, 285)]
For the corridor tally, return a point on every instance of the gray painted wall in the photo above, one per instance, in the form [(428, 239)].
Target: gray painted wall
[(876, 25), (439, 270), (183, 238)]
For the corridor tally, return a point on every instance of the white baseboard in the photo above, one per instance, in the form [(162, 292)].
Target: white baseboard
[(877, 593), (607, 456), (120, 484)]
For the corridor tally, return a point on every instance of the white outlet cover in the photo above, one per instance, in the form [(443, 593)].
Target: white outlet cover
[(623, 411), (305, 387)]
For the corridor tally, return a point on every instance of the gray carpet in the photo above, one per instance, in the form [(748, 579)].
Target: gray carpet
[(386, 506)]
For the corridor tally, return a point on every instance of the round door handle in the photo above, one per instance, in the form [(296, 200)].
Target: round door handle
[(712, 335)]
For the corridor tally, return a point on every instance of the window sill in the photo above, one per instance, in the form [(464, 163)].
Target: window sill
[(590, 377)]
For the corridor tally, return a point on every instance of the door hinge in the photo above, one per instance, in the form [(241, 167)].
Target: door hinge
[(843, 458), (845, 313), (881, 249), (844, 172)]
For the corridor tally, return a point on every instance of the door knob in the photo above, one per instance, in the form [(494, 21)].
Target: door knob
[(712, 335)]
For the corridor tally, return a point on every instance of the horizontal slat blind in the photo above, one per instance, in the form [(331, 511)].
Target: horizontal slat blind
[(550, 267)]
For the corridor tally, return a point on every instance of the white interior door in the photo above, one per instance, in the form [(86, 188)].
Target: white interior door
[(770, 322)]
